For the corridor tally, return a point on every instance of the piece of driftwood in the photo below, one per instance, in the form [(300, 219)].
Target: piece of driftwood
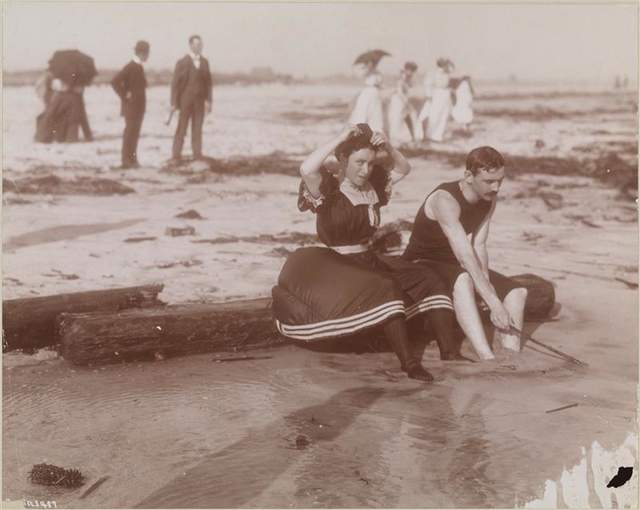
[(30, 323), (541, 297), (106, 337)]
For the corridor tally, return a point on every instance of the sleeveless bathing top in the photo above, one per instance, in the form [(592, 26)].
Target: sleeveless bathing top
[(428, 241)]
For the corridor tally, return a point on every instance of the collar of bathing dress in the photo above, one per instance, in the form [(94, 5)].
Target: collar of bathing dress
[(358, 196)]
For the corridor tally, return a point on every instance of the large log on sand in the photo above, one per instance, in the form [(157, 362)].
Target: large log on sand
[(186, 329), (169, 331), (541, 297), (30, 323)]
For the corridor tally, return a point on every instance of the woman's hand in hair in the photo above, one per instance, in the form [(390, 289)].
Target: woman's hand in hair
[(379, 140)]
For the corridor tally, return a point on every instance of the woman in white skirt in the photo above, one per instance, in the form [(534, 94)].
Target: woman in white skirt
[(437, 107), (402, 117), (368, 108), (462, 112)]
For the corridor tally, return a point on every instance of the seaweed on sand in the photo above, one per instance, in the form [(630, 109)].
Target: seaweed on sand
[(54, 185), (275, 163), (48, 474), (608, 167), (300, 238)]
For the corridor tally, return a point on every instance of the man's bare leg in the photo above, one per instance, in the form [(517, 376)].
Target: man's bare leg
[(514, 303), (464, 304)]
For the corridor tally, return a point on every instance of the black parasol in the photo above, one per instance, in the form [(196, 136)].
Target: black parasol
[(372, 56), (73, 67)]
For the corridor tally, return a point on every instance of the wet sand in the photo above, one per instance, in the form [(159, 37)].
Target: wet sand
[(192, 432)]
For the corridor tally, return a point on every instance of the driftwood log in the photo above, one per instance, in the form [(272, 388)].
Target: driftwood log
[(541, 297), (30, 323), (106, 337), (169, 331)]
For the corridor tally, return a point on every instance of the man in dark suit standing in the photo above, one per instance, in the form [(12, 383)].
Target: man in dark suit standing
[(130, 84), (191, 94)]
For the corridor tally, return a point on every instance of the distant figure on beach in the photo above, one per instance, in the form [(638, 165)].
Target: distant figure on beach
[(450, 237), (345, 287), (63, 116), (44, 87), (617, 83), (130, 84), (402, 116), (191, 93), (437, 107), (462, 111), (368, 107)]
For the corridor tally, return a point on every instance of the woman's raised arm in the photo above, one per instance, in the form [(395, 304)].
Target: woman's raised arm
[(401, 166), (310, 167)]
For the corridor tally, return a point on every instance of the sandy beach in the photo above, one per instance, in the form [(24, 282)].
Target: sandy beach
[(189, 432)]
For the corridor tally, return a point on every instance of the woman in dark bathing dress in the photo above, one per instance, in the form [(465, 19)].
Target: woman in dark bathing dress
[(346, 288)]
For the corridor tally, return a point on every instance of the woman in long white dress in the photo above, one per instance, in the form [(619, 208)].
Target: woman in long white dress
[(462, 111), (437, 107), (402, 117), (368, 108)]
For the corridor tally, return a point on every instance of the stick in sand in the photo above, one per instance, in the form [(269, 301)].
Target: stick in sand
[(548, 347), (94, 486), (561, 408), (170, 117)]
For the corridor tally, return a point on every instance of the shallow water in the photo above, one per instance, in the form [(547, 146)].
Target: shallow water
[(189, 432)]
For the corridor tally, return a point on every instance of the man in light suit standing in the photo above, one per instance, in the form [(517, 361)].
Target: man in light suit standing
[(191, 92)]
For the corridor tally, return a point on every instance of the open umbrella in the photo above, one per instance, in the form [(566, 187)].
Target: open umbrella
[(73, 67), (372, 56)]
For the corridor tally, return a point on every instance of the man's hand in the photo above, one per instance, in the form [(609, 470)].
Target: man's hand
[(207, 106), (500, 317), (128, 95)]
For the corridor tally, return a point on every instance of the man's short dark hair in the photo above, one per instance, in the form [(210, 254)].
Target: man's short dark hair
[(484, 158), (194, 37), (142, 47)]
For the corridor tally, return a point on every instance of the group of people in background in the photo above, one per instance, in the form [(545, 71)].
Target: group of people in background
[(445, 97), (191, 96)]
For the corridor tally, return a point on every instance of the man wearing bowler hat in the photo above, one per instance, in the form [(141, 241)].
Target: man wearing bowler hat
[(191, 94), (130, 84)]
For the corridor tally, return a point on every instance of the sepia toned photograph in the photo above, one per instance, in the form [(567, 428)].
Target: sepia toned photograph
[(319, 255)]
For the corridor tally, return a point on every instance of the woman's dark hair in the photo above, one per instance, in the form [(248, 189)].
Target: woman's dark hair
[(411, 66), (355, 142), (484, 158)]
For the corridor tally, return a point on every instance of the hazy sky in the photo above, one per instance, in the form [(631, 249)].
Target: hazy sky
[(534, 41)]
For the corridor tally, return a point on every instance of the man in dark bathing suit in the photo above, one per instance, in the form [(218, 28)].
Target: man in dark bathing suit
[(450, 236)]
